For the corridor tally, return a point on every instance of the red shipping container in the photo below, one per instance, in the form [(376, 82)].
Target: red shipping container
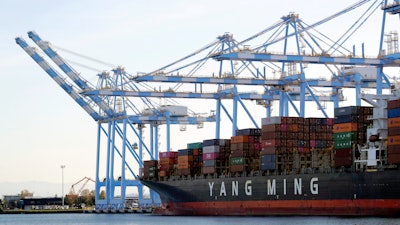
[(269, 143), (211, 156), (393, 131), (269, 151), (345, 161), (167, 161), (393, 104), (237, 168), (313, 143), (271, 128), (394, 159), (168, 154), (257, 146), (208, 169), (167, 167), (340, 153), (393, 149)]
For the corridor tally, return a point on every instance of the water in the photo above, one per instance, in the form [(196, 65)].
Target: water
[(147, 219)]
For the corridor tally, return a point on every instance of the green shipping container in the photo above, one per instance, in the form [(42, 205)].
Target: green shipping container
[(345, 136), (343, 144), (197, 145), (237, 161)]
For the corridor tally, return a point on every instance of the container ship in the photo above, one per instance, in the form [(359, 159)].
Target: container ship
[(342, 166)]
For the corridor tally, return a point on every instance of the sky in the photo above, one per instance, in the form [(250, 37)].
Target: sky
[(42, 128)]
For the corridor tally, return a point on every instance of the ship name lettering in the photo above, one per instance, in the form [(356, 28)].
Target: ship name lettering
[(211, 185), (314, 186), (271, 187), (297, 186), (235, 188), (223, 190), (247, 187)]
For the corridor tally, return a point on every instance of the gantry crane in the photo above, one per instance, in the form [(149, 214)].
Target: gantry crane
[(116, 117), (235, 67)]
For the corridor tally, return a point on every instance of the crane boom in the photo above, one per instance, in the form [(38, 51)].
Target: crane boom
[(76, 78), (57, 78)]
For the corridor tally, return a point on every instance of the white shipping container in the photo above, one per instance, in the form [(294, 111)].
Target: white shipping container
[(210, 149), (271, 120)]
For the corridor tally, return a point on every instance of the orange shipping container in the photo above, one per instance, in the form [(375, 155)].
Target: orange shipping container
[(345, 127), (167, 161), (393, 140), (393, 122), (239, 139)]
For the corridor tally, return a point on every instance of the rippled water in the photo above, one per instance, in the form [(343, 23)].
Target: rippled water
[(147, 219)]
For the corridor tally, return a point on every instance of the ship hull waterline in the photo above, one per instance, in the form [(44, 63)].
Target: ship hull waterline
[(376, 207)]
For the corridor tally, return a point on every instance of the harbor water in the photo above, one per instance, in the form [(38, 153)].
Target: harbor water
[(148, 219)]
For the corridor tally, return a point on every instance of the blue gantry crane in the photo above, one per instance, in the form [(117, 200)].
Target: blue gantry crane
[(116, 117), (229, 72)]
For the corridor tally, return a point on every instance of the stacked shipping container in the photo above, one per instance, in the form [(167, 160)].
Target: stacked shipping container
[(393, 145), (150, 169), (350, 129), (215, 156), (245, 151), (287, 142), (168, 161), (190, 160)]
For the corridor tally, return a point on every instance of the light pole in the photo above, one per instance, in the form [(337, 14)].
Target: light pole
[(62, 185)]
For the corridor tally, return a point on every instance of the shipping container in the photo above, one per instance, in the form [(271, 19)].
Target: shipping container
[(392, 113), (185, 152), (211, 156), (341, 153), (196, 145), (393, 140), (394, 159), (358, 110), (209, 170), (393, 131), (207, 163), (393, 122), (211, 149), (392, 104), (219, 142), (271, 120), (237, 160), (239, 139), (345, 161), (168, 154), (240, 153), (345, 127), (268, 162), (393, 149), (248, 132), (343, 144), (237, 168), (345, 136), (347, 119)]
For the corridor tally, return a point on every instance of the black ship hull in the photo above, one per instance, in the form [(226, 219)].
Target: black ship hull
[(338, 194)]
